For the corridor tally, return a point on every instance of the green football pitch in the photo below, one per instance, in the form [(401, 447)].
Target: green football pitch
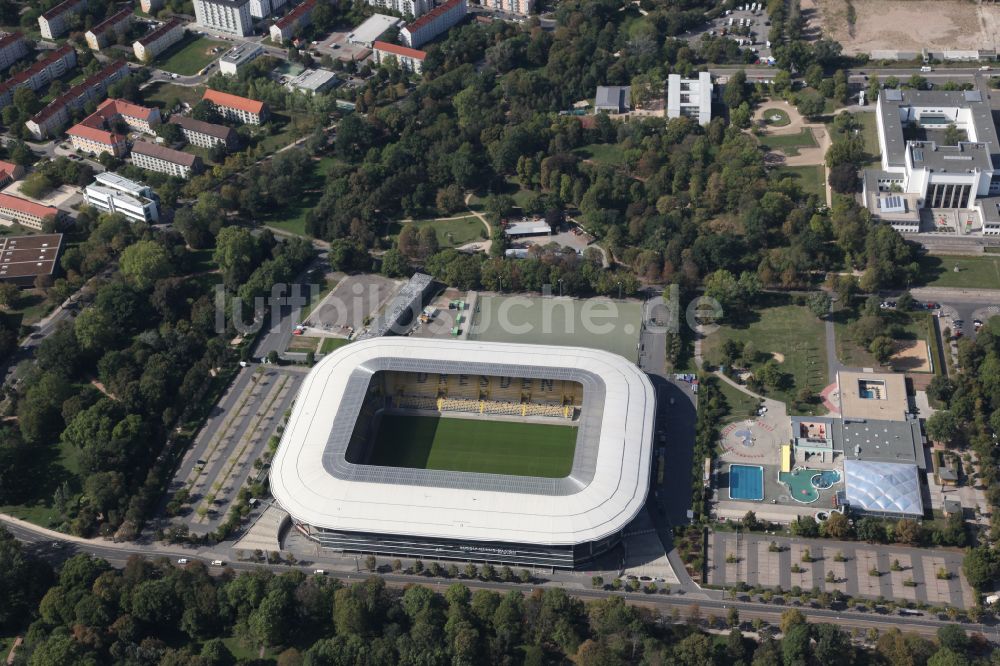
[(473, 445)]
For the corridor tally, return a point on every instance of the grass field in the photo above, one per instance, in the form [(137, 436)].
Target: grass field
[(329, 344), (163, 94), (611, 154), (809, 178), (804, 355), (776, 117), (789, 143), (973, 271), (293, 218), (869, 131), (473, 445), (189, 55), (450, 233)]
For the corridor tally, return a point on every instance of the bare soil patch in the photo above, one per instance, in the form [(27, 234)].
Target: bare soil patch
[(911, 356)]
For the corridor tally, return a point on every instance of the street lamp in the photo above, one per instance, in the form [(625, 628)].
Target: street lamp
[(619, 290), (560, 287)]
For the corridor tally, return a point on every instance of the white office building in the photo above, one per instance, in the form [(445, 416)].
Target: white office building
[(690, 98), (414, 8), (233, 59), (939, 162), (114, 194), (229, 16)]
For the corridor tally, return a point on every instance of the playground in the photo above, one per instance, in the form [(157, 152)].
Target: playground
[(805, 485)]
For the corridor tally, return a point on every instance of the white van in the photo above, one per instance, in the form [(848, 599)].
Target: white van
[(217, 563), (182, 560), (984, 68), (319, 572), (926, 68)]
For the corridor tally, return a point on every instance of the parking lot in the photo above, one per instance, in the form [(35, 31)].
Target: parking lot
[(354, 302), (904, 573), (753, 36), (233, 437)]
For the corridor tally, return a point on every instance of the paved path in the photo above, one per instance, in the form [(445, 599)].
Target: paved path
[(807, 155)]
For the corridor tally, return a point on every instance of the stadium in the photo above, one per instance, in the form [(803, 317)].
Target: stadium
[(448, 449)]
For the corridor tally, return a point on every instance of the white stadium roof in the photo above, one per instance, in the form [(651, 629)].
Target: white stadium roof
[(312, 480)]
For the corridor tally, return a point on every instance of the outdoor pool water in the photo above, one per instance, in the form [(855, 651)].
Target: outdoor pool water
[(826, 479), (746, 482)]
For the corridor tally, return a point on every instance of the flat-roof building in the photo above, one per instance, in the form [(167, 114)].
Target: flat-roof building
[(521, 7), (202, 134), (940, 152), (414, 8), (112, 193), (373, 28), (233, 59), (690, 98), (55, 21), (109, 29), (228, 16), (313, 81), (613, 99), (50, 67), (154, 157), (293, 22), (409, 59), (433, 23), (25, 212), (54, 116), (873, 395), (233, 107), (152, 44), (320, 476), (13, 47), (24, 258), (526, 227), (263, 8)]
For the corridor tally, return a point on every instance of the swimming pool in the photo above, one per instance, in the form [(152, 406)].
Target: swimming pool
[(825, 479), (746, 482)]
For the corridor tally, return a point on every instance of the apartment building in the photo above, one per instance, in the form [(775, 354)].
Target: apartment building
[(46, 122), (108, 30), (263, 8), (25, 258), (13, 47), (153, 44), (52, 66), (407, 58), (414, 8), (228, 16), (150, 6), (520, 7), (96, 133), (23, 211), (9, 172), (293, 22), (433, 23), (234, 107), (165, 160), (202, 134), (233, 59), (690, 98), (114, 194), (56, 21)]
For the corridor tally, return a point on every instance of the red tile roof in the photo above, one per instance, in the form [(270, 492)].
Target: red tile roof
[(77, 91), (26, 74), (95, 134), (159, 32), (400, 50), (10, 38), (113, 107), (112, 21), (295, 14), (62, 8), (433, 14), (25, 206), (233, 101), (7, 169)]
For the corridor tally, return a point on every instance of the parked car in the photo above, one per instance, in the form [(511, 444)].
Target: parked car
[(182, 560)]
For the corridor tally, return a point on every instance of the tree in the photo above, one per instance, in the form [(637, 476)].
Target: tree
[(9, 294), (908, 531), (980, 566), (236, 254), (819, 303), (170, 132), (792, 617), (811, 104), (749, 521), (952, 135), (871, 529), (944, 427), (734, 93), (953, 637), (143, 263), (837, 526), (843, 178), (882, 348)]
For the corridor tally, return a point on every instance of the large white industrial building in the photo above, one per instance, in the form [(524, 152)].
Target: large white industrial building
[(559, 522)]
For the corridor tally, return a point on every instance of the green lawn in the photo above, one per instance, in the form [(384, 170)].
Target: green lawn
[(809, 178), (473, 445), (804, 352), (190, 55), (740, 404), (293, 218), (450, 233), (163, 94), (869, 131), (776, 117), (789, 143), (611, 154), (973, 271), (329, 344)]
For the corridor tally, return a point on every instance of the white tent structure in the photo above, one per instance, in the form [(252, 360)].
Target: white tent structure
[(883, 488)]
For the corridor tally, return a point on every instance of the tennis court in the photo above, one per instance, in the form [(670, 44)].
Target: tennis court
[(598, 323)]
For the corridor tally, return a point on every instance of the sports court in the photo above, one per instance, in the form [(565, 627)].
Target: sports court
[(474, 445), (598, 323)]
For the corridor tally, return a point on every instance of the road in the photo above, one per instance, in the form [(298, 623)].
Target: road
[(56, 548)]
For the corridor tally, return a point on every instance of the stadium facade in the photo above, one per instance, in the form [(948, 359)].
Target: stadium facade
[(440, 514)]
